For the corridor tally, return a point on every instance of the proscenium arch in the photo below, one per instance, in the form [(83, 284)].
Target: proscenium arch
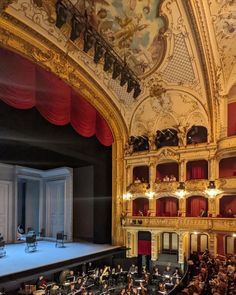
[(28, 43)]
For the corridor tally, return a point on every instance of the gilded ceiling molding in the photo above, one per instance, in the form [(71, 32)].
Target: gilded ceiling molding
[(197, 22), (4, 4), (23, 40)]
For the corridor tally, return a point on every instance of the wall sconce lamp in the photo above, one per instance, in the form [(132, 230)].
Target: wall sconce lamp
[(181, 192), (211, 190), (127, 197), (150, 195)]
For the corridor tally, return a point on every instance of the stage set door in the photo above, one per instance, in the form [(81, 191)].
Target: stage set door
[(55, 192), (170, 243), (198, 242)]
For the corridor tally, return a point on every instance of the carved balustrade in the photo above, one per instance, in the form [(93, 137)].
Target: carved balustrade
[(183, 223)]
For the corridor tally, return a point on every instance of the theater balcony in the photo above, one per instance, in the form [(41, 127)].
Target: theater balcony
[(182, 223)]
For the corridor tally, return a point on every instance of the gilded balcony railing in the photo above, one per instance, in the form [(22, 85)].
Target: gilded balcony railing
[(183, 223)]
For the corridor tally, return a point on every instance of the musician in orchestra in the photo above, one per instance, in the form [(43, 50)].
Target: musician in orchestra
[(167, 271), (79, 284), (41, 283)]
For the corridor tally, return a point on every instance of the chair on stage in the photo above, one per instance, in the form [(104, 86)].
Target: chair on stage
[(31, 243), (61, 237), (2, 248)]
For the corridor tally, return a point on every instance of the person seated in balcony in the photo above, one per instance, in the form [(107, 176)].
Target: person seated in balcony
[(166, 178), (148, 213), (229, 213), (143, 180), (140, 213), (172, 178), (137, 180), (203, 213)]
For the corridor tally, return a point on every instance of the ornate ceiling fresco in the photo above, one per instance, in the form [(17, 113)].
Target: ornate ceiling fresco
[(182, 51)]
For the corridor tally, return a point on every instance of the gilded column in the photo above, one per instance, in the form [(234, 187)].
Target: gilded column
[(212, 244), (181, 249), (128, 207), (152, 174), (182, 206), (155, 245), (212, 169), (129, 176), (182, 170), (212, 206), (152, 206)]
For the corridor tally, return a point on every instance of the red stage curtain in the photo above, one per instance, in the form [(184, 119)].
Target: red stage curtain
[(140, 204), (144, 247), (195, 204), (227, 202), (24, 85), (231, 119), (197, 170)]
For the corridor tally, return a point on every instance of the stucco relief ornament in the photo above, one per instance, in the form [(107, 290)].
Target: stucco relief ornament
[(4, 4)]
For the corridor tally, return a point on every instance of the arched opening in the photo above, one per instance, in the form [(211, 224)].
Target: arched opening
[(198, 242), (140, 207), (170, 243), (228, 206), (197, 169), (139, 143), (166, 137), (141, 174), (227, 167), (230, 245), (197, 134), (167, 172), (167, 206), (25, 85), (197, 206)]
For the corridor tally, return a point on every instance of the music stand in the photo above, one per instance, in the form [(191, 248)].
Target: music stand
[(60, 239), (31, 244), (2, 248)]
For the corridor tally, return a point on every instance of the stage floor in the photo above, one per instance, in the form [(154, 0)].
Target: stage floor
[(17, 260)]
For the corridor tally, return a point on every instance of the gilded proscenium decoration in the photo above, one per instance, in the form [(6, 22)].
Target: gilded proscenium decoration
[(22, 39), (184, 223), (4, 4)]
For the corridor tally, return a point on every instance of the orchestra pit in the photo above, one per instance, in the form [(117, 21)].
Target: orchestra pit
[(117, 147)]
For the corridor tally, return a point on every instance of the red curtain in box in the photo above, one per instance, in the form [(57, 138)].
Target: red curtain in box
[(167, 206), (141, 172), (227, 167), (24, 85), (231, 119), (144, 247), (167, 169), (140, 204), (220, 244), (195, 204), (227, 202), (197, 170)]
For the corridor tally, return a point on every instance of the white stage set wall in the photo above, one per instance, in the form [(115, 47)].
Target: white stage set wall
[(48, 200)]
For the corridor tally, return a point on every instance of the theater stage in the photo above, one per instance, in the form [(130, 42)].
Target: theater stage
[(17, 263)]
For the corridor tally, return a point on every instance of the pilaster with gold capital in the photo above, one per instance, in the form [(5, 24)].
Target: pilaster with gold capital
[(212, 206), (152, 206), (129, 176), (155, 245), (182, 206), (152, 174), (181, 249), (212, 168), (212, 244), (182, 170), (132, 243)]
